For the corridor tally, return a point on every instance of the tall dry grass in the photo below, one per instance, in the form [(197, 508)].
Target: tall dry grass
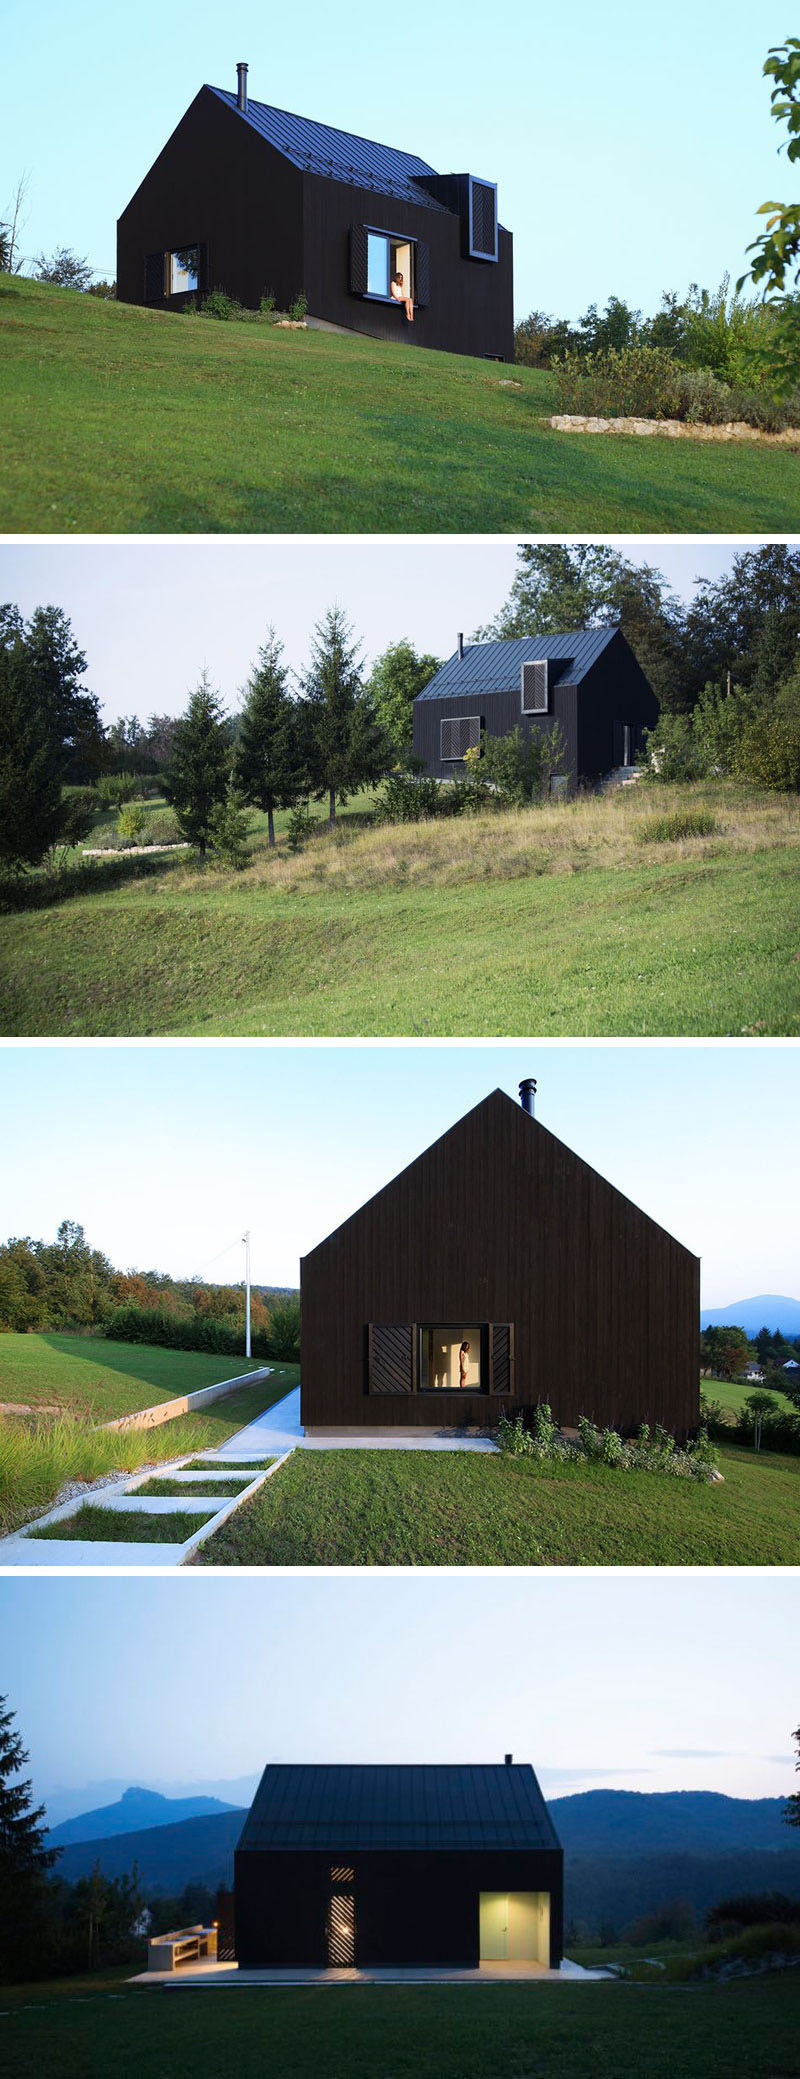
[(39, 1454), (593, 831)]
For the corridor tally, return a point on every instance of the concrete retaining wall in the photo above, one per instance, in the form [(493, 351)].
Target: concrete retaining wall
[(185, 1403)]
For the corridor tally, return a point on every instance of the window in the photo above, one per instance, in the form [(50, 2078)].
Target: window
[(482, 219), (534, 688), (451, 1360), (458, 734), (388, 258), (183, 270), (559, 785)]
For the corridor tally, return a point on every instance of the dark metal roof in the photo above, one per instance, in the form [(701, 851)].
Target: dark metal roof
[(382, 1805), (337, 154), (494, 667)]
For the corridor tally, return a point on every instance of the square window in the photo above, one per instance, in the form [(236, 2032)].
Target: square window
[(183, 270)]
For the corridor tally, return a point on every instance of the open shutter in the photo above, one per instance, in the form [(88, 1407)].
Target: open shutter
[(154, 278), (482, 219), (422, 274), (358, 259), (202, 268), (391, 1357), (501, 1356)]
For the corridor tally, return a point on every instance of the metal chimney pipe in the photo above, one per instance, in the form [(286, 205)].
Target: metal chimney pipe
[(241, 87), (460, 641), (527, 1094), (509, 1759)]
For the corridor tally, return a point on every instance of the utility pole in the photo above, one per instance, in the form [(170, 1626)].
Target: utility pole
[(246, 1240)]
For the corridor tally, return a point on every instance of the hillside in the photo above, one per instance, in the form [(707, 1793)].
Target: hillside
[(578, 923), (136, 1809), (768, 1310), (139, 421), (625, 1852)]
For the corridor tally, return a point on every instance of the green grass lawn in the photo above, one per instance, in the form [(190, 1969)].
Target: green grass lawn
[(126, 1527), (577, 925), (474, 2032), (162, 1488), (403, 1508), (96, 1376), (732, 1394), (39, 1453), (135, 421)]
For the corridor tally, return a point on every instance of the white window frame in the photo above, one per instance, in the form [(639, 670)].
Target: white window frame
[(448, 722), (536, 665), (392, 239)]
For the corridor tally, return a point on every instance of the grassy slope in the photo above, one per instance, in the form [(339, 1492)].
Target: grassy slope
[(732, 1394), (119, 419), (577, 925), (91, 1375), (486, 2032), (361, 1508)]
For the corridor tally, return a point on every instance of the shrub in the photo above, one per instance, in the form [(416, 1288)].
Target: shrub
[(518, 769), (679, 823), (267, 304), (131, 823), (283, 1336), (768, 752), (406, 797), (115, 787), (534, 1434), (301, 825), (539, 338), (163, 828), (218, 304), (229, 829), (629, 382), (133, 1324), (297, 310), (757, 1909)]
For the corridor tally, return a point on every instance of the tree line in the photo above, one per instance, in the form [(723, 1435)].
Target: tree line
[(69, 1287)]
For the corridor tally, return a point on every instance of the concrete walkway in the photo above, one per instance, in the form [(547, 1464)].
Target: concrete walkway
[(280, 1428), (219, 1976)]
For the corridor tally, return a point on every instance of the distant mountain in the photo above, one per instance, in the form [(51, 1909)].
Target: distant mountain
[(196, 1851), (675, 1822), (135, 1810), (767, 1310)]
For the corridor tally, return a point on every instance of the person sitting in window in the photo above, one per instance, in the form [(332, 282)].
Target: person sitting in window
[(398, 289)]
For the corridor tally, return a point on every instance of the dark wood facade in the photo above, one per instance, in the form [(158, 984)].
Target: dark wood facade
[(592, 717), (585, 1301), (411, 1907), (263, 224)]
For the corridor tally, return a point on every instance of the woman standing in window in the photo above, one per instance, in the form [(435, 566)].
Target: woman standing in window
[(463, 1364)]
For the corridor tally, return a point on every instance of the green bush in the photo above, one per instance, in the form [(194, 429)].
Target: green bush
[(640, 382), (113, 788), (229, 829), (300, 828), (133, 1324), (132, 823), (218, 304), (283, 1339), (297, 310), (163, 828), (534, 1434), (407, 797), (678, 824)]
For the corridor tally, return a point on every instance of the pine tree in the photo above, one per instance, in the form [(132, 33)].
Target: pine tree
[(347, 747), (24, 1858), (31, 762), (201, 759), (265, 765)]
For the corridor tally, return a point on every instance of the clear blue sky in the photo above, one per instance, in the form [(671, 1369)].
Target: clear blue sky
[(149, 617), (661, 1680), (166, 1153), (632, 145)]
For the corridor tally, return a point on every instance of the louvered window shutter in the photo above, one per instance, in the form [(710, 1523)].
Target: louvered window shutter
[(422, 276), (391, 1357), (154, 278), (535, 699), (501, 1356), (358, 259), (482, 220), (459, 734)]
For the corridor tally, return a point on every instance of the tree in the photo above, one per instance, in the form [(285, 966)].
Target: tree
[(728, 1349), (64, 269), (750, 614), (792, 1812), (760, 1404), (13, 226), (31, 763), (346, 748), (25, 1859), (578, 585), (197, 780), (265, 762), (229, 829), (777, 249), (397, 676)]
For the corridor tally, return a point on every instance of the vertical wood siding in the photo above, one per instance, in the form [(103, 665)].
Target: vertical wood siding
[(500, 1222)]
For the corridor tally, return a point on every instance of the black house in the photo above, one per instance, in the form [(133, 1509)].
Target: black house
[(250, 199), (380, 1865), (587, 684)]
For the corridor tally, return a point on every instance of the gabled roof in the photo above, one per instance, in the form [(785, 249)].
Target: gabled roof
[(337, 154), (382, 1805), (494, 667)]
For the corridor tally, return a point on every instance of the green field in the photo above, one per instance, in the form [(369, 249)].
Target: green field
[(403, 1508), (137, 421), (577, 924), (474, 2032), (92, 1375), (732, 1394)]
